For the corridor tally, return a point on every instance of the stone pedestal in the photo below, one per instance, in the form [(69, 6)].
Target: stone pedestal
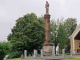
[(47, 49)]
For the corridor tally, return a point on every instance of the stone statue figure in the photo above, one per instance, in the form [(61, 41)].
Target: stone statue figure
[(47, 7)]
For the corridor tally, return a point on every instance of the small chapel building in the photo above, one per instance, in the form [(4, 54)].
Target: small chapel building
[(75, 41)]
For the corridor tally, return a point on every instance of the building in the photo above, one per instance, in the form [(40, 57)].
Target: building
[(75, 41)]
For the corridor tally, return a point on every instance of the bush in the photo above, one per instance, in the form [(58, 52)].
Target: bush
[(5, 48), (67, 53), (15, 54), (29, 55), (58, 54)]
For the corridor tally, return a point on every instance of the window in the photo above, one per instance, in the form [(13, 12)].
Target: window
[(79, 45)]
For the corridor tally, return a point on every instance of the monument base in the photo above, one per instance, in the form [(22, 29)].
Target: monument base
[(47, 49)]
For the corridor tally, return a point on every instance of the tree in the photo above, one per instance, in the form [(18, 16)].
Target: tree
[(5, 48), (28, 33), (58, 33), (70, 25), (62, 36), (61, 30), (54, 32)]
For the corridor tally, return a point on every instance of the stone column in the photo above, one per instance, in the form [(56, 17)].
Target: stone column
[(25, 53), (47, 45), (34, 53), (53, 53), (63, 53), (70, 52), (47, 28), (41, 53)]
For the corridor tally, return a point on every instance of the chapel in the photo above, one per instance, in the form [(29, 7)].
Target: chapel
[(75, 41)]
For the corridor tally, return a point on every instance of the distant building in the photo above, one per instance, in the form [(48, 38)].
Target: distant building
[(75, 41)]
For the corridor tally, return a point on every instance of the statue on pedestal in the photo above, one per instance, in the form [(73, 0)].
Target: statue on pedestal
[(47, 7), (47, 45)]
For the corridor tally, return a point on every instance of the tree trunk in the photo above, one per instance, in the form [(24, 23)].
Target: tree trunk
[(55, 49)]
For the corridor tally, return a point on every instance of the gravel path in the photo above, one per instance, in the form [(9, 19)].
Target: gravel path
[(76, 56)]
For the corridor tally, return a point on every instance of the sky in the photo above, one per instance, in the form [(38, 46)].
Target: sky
[(11, 10)]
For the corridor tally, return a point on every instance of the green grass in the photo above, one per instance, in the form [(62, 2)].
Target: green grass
[(61, 54), (42, 59), (72, 59), (24, 59)]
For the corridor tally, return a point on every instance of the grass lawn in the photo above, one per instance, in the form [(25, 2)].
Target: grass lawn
[(42, 59), (72, 59), (24, 59)]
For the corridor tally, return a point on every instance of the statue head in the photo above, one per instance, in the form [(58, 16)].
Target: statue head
[(46, 2)]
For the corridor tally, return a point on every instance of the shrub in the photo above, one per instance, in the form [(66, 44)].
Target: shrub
[(5, 48), (29, 55), (15, 54), (58, 54), (67, 53)]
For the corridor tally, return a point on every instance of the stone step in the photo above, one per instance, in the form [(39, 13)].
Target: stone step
[(76, 54)]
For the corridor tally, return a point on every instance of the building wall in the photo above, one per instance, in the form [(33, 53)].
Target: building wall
[(76, 45), (71, 44)]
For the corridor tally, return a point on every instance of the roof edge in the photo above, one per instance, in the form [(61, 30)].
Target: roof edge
[(74, 31)]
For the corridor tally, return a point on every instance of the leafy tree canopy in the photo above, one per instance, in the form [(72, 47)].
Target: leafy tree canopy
[(28, 33), (61, 30), (5, 48), (70, 25)]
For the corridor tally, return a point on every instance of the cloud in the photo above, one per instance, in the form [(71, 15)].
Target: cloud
[(2, 13), (62, 2)]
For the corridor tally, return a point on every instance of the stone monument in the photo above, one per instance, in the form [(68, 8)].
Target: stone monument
[(47, 45)]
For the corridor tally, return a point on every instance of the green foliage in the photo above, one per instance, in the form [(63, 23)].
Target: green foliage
[(29, 55), (70, 25), (5, 48), (60, 31), (67, 53), (24, 59), (28, 33), (62, 36), (53, 30), (45, 59), (15, 54), (58, 54), (61, 54)]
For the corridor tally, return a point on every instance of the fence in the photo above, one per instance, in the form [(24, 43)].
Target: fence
[(47, 57)]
